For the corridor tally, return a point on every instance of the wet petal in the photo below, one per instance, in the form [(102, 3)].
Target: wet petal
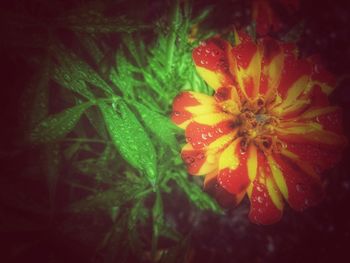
[(209, 136), (329, 117), (266, 204), (221, 195), (321, 76), (189, 104), (212, 62), (246, 67), (272, 65), (199, 161), (309, 133), (320, 158), (304, 190), (233, 170)]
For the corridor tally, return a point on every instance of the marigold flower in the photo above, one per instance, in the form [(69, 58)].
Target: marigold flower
[(268, 130)]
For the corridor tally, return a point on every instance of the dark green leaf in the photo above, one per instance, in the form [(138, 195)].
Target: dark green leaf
[(76, 70), (57, 126), (65, 78)]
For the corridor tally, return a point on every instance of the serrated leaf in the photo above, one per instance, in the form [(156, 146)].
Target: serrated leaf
[(158, 124), (91, 46), (196, 194), (123, 75), (75, 69), (57, 126), (63, 77), (130, 138)]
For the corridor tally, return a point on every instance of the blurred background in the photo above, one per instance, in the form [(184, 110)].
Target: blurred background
[(67, 226)]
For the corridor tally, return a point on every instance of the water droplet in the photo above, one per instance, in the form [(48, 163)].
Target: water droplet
[(215, 53), (219, 130), (188, 139), (316, 69), (300, 187), (189, 160), (307, 202), (200, 156), (260, 199), (207, 51), (259, 188), (201, 61), (204, 136), (210, 135)]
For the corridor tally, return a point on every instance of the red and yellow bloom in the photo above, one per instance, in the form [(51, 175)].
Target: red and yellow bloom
[(268, 131)]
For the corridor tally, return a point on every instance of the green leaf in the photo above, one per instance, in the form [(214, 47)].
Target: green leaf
[(158, 220), (57, 126), (196, 194), (95, 117), (77, 70), (203, 15), (158, 124), (130, 138), (64, 77)]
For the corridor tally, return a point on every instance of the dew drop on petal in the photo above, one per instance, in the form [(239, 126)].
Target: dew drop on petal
[(300, 187), (189, 160), (188, 139), (200, 156)]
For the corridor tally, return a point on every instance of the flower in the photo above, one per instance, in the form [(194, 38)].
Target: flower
[(268, 131)]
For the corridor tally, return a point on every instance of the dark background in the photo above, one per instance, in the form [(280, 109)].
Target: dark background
[(320, 234)]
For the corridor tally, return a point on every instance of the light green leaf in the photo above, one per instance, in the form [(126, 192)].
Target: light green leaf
[(130, 138), (158, 124), (57, 126)]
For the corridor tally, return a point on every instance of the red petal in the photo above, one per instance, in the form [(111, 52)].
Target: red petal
[(262, 209), (293, 69), (180, 103), (320, 157), (212, 55), (235, 180), (319, 72), (304, 190), (194, 160), (223, 197), (200, 135)]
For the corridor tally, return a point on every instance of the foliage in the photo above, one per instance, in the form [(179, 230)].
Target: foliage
[(104, 131)]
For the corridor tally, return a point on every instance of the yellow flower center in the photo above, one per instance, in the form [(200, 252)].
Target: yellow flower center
[(256, 125)]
